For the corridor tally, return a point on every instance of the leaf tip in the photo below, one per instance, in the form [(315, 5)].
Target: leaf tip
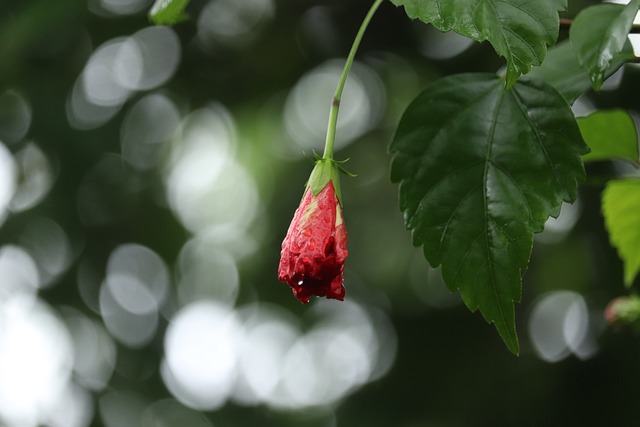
[(629, 275), (509, 335), (513, 345)]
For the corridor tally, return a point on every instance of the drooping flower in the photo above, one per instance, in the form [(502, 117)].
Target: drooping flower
[(315, 248)]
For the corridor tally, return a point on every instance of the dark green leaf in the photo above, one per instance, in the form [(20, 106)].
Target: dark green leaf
[(480, 170), (168, 12), (610, 135), (621, 209), (599, 33), (562, 71), (519, 30)]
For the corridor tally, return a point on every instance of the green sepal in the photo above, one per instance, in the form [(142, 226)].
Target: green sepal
[(324, 171), (344, 171), (341, 168)]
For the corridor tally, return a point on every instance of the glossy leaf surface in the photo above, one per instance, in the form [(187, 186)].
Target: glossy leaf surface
[(562, 70), (599, 33), (519, 30), (480, 170)]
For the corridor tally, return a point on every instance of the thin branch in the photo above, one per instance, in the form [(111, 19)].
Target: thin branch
[(565, 23)]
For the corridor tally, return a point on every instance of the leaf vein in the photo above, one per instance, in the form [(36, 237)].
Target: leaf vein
[(487, 235), (466, 254), (511, 240), (538, 137), (516, 185), (442, 179), (453, 214), (526, 12), (518, 36), (454, 115)]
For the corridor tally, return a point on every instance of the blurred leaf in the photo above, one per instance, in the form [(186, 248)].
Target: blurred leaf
[(621, 209), (610, 135), (599, 33), (480, 170), (29, 25), (168, 12), (519, 30), (562, 71), (623, 311)]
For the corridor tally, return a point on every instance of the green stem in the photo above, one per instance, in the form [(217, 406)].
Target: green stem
[(335, 103)]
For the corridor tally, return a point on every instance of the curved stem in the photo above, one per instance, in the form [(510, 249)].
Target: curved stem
[(335, 103)]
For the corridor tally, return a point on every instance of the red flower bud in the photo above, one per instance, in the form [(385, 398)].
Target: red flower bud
[(314, 251)]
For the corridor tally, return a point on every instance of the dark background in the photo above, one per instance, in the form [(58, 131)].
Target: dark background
[(163, 184)]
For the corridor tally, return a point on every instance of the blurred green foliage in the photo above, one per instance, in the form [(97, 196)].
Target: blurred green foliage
[(245, 81)]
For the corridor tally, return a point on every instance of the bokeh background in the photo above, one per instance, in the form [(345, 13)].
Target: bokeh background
[(147, 178)]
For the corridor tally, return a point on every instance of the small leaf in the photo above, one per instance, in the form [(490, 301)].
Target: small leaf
[(168, 12), (561, 69), (599, 33), (621, 209), (519, 30), (610, 135), (480, 170)]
